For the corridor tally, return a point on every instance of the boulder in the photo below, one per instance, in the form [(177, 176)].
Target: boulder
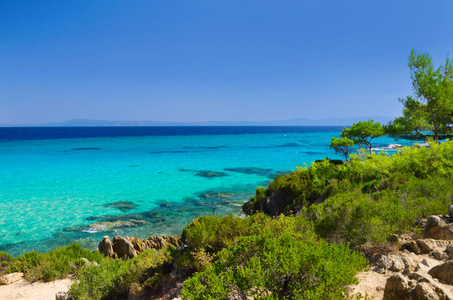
[(106, 247), (10, 278), (411, 246), (398, 287), (123, 248), (391, 262), (439, 255), (443, 272), (136, 242), (418, 286), (438, 228), (450, 211), (62, 296), (410, 261), (159, 242)]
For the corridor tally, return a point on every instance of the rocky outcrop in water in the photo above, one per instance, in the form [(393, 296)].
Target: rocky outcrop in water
[(129, 247)]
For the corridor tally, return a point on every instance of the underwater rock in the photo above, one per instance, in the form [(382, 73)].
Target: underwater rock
[(269, 173), (205, 173), (210, 174), (107, 226), (249, 170), (83, 149), (114, 218), (122, 205), (74, 228), (213, 195)]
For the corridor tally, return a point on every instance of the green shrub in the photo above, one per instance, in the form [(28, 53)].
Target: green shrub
[(113, 277), (53, 265), (280, 262), (364, 200), (5, 260), (213, 233)]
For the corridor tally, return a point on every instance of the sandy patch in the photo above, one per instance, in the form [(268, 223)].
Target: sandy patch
[(23, 290), (371, 284)]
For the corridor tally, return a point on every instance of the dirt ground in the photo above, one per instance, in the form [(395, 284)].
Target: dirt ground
[(23, 290)]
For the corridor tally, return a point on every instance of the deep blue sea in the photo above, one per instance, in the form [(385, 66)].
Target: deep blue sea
[(64, 184)]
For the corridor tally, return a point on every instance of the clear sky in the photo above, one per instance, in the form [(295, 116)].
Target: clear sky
[(212, 60)]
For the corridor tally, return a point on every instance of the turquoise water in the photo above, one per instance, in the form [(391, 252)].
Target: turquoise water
[(53, 189)]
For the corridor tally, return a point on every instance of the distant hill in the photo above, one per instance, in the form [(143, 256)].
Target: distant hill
[(291, 122)]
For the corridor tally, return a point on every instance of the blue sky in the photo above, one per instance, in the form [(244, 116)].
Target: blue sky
[(212, 60)]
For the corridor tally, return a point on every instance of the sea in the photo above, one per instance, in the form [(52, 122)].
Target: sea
[(61, 185)]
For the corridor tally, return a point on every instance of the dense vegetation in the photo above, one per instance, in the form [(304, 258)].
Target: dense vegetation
[(364, 200)]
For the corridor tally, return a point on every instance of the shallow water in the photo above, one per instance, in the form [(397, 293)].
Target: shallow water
[(143, 182)]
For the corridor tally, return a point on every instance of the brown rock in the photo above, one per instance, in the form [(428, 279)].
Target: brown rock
[(391, 262), (10, 278), (437, 228), (159, 242), (398, 287), (439, 255), (410, 261), (106, 247), (62, 296), (123, 247), (411, 246), (449, 251), (443, 272), (136, 242), (425, 291)]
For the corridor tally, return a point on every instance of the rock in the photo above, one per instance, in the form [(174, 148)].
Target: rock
[(449, 251), (439, 255), (430, 289), (123, 247), (108, 226), (410, 261), (423, 290), (122, 205), (210, 174), (159, 242), (437, 228), (443, 272), (379, 270), (136, 242), (106, 247), (411, 246), (397, 287), (10, 278), (391, 262), (62, 296)]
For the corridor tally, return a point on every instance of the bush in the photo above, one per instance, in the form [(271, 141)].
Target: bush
[(364, 200), (54, 265), (213, 233), (117, 277), (5, 260), (280, 262)]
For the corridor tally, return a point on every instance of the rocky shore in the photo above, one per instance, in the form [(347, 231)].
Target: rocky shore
[(414, 267), (421, 268)]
